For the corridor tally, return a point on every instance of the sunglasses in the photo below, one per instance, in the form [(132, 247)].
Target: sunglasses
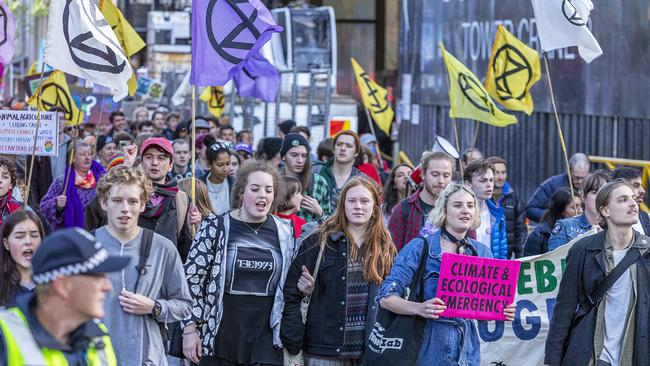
[(220, 146)]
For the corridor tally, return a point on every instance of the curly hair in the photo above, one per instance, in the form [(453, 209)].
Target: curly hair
[(11, 168), (377, 251), (124, 175), (245, 170)]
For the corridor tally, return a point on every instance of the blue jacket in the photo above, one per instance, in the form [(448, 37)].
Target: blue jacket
[(566, 230), (499, 241), (448, 341), (538, 202)]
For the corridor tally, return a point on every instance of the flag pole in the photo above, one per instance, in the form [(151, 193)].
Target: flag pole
[(453, 120), (28, 184), (476, 127), (67, 176), (372, 130), (193, 190), (559, 129), (457, 144)]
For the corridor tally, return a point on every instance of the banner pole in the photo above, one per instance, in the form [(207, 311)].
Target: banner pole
[(28, 184), (559, 130), (193, 190), (372, 130)]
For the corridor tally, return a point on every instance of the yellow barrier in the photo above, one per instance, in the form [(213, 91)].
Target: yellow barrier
[(612, 163)]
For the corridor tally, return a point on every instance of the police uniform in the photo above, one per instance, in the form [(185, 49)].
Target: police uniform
[(24, 340)]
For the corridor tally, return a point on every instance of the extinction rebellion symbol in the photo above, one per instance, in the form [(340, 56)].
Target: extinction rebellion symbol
[(571, 13), (511, 62), (473, 91), (53, 95), (216, 99), (4, 19), (84, 55), (247, 22), (377, 106)]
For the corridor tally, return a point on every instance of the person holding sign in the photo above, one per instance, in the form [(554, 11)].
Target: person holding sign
[(455, 213), (601, 311)]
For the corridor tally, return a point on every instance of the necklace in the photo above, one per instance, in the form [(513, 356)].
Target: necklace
[(248, 226)]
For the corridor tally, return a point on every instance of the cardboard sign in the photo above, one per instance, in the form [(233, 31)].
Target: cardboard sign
[(17, 129), (476, 287)]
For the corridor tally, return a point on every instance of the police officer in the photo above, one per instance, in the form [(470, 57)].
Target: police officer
[(55, 325)]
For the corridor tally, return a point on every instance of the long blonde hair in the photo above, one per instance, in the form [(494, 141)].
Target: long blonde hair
[(377, 251), (203, 203)]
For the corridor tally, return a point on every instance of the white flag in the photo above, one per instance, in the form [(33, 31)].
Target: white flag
[(183, 89), (563, 23), (80, 42)]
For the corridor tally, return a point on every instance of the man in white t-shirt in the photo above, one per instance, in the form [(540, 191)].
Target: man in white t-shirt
[(614, 328)]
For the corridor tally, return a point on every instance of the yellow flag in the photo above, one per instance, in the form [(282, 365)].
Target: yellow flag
[(467, 96), (512, 71), (214, 98), (127, 36), (57, 94), (374, 98)]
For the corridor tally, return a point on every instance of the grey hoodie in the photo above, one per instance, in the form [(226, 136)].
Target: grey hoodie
[(136, 338)]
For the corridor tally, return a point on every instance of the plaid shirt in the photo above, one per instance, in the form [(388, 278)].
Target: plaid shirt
[(326, 172), (321, 193), (403, 229)]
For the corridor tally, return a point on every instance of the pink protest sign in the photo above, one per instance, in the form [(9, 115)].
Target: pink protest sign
[(475, 287)]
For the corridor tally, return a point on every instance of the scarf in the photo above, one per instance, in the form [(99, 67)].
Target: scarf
[(461, 244), (161, 198), (73, 213), (8, 205)]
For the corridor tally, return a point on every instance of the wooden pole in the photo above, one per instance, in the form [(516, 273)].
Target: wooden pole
[(477, 124), (38, 125), (457, 145), (193, 191), (559, 130), (372, 130)]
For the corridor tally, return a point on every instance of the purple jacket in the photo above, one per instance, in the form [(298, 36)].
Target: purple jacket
[(48, 203)]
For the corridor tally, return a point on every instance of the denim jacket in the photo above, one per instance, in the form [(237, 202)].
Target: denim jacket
[(566, 230), (447, 341)]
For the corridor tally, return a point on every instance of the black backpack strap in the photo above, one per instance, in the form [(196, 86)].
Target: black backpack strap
[(598, 293), (145, 250)]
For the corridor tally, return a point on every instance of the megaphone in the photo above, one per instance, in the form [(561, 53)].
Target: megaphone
[(440, 144)]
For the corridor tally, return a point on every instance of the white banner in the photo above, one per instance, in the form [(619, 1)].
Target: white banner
[(521, 342), (17, 129)]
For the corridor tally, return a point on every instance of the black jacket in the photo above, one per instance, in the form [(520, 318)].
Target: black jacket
[(569, 345), (323, 332), (537, 241), (515, 213), (644, 217)]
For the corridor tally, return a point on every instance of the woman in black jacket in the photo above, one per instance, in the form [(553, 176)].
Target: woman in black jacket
[(560, 207), (357, 255)]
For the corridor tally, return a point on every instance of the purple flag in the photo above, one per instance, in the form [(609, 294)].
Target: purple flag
[(225, 33), (258, 78), (7, 32)]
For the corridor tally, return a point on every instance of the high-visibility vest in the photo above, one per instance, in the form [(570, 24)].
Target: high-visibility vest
[(22, 349)]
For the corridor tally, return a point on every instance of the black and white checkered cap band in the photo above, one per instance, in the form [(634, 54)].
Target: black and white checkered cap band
[(72, 269)]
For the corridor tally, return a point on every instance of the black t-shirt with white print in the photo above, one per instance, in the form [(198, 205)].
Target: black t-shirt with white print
[(254, 261)]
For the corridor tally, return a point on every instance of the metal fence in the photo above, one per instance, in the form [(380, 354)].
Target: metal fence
[(532, 146)]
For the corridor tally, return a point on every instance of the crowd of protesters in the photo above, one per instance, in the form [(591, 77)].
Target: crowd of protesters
[(243, 255)]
